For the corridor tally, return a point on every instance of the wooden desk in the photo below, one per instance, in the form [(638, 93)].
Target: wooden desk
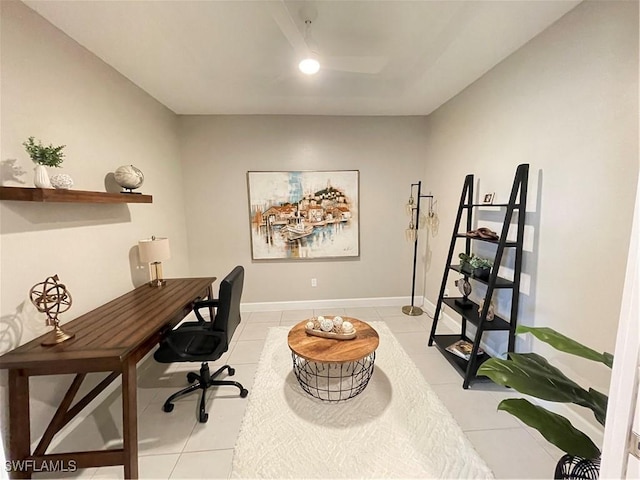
[(111, 338)]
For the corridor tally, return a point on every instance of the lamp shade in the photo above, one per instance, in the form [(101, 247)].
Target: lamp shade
[(154, 250)]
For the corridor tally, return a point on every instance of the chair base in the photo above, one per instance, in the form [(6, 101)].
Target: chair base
[(201, 382)]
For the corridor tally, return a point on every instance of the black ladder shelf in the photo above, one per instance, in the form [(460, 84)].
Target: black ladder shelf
[(517, 202)]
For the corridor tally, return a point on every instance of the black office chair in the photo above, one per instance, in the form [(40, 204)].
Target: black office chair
[(205, 341)]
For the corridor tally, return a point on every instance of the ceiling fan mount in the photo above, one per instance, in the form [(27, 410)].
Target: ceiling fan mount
[(305, 47)]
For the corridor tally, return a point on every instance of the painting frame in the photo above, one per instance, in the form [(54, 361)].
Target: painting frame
[(304, 214)]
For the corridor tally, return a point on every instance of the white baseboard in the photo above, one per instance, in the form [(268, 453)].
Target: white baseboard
[(329, 303)]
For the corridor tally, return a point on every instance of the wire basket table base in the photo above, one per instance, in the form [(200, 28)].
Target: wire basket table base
[(333, 382)]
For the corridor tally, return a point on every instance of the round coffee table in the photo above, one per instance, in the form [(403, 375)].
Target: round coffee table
[(333, 370)]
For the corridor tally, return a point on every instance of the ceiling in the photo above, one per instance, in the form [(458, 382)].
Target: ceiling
[(394, 57)]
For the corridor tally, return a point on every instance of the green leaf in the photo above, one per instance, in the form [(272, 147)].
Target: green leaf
[(565, 344), (531, 374), (555, 428), (600, 401)]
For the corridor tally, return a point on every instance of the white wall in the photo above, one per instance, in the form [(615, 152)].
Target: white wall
[(217, 152), (56, 91), (567, 104)]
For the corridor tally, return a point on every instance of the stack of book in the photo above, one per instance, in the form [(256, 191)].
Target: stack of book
[(463, 349)]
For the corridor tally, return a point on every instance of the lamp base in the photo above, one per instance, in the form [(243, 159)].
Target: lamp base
[(411, 310), (57, 336), (156, 275)]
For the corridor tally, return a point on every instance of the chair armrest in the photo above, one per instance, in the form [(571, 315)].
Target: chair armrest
[(206, 303), (199, 304)]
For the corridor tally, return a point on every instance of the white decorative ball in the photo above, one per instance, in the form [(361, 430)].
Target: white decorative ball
[(347, 327), (61, 181), (309, 325), (320, 318), (337, 321), (326, 325), (128, 176)]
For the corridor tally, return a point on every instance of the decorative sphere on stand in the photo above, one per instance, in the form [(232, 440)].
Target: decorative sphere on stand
[(52, 298), (129, 177)]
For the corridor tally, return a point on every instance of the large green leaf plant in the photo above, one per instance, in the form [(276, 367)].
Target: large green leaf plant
[(533, 375)]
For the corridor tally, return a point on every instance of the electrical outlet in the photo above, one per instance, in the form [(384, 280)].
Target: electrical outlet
[(314, 282)]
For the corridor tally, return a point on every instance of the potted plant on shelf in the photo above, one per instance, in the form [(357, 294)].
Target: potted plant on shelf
[(43, 157), (533, 375), (476, 266)]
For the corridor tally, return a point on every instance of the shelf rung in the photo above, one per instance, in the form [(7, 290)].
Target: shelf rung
[(460, 364), (471, 315), (508, 243), (500, 282)]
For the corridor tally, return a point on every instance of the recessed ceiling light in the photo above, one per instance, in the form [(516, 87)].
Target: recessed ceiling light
[(309, 66)]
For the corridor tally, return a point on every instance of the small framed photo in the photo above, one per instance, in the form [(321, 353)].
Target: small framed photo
[(488, 198)]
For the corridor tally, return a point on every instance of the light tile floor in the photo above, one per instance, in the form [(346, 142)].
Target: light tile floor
[(176, 445)]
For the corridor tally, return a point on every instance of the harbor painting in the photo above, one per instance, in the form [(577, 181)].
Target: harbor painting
[(304, 214)]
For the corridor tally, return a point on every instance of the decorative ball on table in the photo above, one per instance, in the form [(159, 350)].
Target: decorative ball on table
[(328, 327), (347, 327), (129, 178)]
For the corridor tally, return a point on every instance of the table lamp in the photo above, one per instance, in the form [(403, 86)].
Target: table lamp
[(153, 251)]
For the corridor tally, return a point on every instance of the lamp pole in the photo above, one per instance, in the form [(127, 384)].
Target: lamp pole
[(411, 309)]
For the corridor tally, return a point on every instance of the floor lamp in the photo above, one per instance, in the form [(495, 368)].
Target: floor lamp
[(413, 209)]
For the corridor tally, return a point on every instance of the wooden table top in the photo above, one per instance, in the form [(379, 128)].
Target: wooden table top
[(330, 350), (105, 336)]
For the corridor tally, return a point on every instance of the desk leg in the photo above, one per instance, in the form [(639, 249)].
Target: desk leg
[(19, 424), (130, 419)]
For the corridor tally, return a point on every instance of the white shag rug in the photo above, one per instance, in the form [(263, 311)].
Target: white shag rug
[(396, 428)]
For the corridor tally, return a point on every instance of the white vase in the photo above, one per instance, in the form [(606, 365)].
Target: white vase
[(41, 178)]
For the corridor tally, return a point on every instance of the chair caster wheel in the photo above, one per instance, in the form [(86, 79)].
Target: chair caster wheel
[(191, 377), (244, 392), (167, 407), (232, 371), (204, 417)]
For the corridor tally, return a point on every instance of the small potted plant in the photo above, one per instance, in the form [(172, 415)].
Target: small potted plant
[(533, 375), (476, 266), (481, 267), (43, 157), (465, 263)]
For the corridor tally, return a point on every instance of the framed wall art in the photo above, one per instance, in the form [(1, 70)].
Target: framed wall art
[(488, 198), (298, 215)]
